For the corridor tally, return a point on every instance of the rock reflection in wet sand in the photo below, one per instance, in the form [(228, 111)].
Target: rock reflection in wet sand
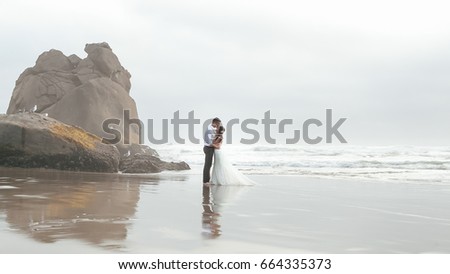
[(51, 205)]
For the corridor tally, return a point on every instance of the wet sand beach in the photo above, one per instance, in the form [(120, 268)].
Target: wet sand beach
[(45, 211)]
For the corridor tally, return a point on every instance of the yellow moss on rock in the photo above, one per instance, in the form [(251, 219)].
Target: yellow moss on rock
[(75, 135)]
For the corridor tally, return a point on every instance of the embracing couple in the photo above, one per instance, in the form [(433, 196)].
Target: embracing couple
[(223, 173)]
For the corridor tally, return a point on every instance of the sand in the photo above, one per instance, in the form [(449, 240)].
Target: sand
[(44, 211)]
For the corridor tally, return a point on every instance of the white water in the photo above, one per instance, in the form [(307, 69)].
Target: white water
[(411, 164)]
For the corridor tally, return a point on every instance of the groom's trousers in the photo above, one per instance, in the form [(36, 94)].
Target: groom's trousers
[(209, 152)]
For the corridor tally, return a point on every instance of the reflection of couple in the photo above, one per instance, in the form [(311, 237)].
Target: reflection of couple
[(215, 199), (223, 172)]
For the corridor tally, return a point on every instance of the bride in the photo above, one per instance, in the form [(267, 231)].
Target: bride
[(224, 173)]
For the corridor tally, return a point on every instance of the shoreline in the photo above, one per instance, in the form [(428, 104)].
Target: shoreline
[(196, 171), (171, 213)]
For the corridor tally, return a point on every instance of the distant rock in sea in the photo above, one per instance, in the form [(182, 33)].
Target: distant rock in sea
[(32, 140), (81, 92)]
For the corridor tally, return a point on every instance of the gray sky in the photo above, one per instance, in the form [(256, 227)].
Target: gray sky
[(384, 65)]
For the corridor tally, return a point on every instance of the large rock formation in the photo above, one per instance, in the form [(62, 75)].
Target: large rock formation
[(34, 140), (81, 92)]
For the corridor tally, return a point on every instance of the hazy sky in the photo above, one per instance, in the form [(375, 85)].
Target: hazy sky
[(384, 65)]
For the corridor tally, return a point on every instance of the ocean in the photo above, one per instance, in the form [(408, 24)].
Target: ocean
[(405, 164), (372, 200)]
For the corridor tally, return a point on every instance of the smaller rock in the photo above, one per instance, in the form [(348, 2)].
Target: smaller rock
[(133, 149), (140, 163)]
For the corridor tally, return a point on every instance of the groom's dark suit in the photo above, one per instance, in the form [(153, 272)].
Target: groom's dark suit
[(208, 149)]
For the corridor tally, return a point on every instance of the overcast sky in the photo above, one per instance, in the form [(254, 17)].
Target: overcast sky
[(384, 65)]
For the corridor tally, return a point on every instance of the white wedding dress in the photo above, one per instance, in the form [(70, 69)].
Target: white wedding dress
[(224, 173)]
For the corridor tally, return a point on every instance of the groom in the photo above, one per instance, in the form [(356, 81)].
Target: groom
[(208, 149)]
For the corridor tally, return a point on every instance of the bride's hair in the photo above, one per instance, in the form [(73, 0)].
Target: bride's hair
[(219, 136)]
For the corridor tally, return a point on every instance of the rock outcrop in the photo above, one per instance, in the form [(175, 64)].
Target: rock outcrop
[(80, 92), (144, 163), (32, 140)]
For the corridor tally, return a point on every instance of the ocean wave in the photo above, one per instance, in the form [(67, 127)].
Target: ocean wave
[(273, 148), (397, 163)]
